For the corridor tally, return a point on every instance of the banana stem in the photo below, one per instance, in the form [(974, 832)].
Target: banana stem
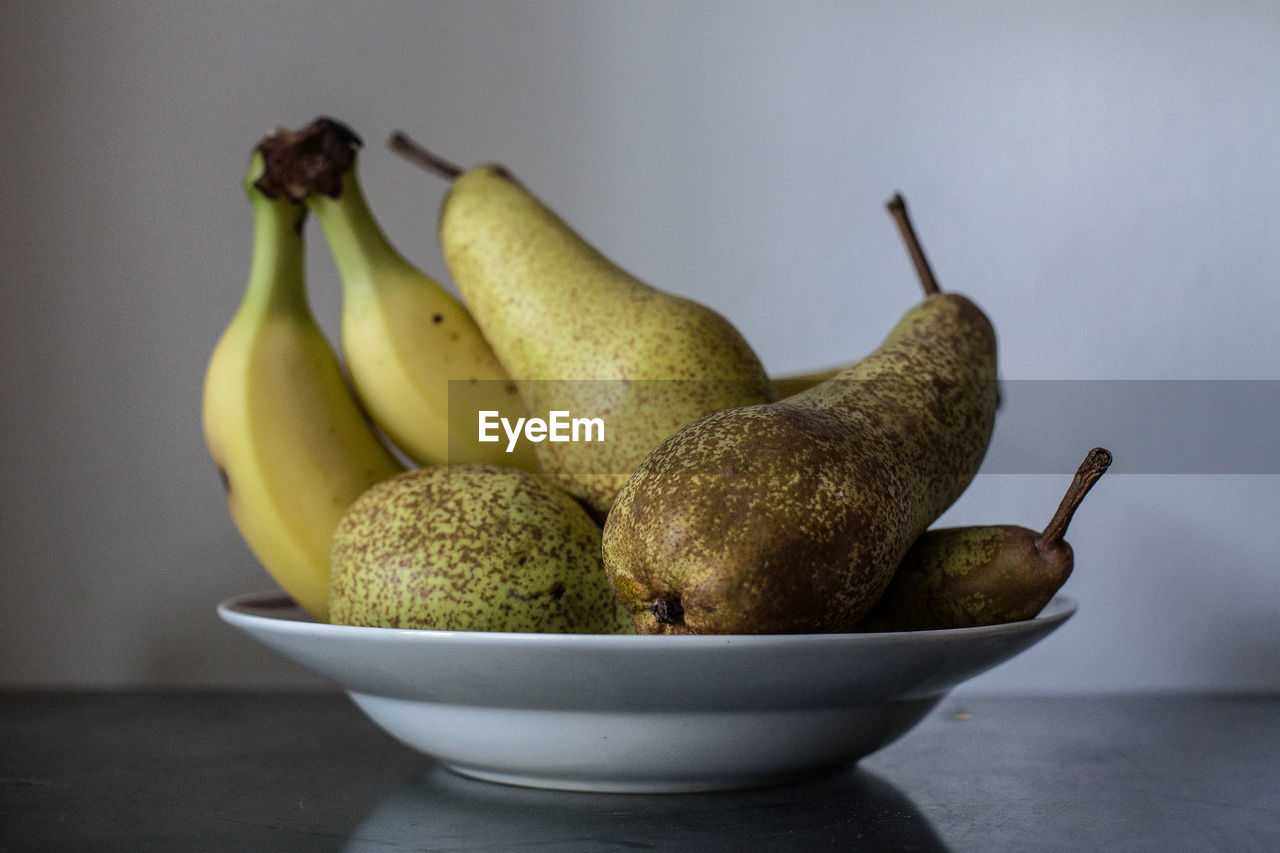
[(307, 162), (1090, 470), (415, 153), (276, 282), (358, 244), (316, 166), (898, 209)]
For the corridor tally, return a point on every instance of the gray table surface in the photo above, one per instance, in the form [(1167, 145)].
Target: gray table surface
[(247, 772)]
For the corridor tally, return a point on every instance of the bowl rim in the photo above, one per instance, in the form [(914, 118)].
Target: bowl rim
[(274, 609)]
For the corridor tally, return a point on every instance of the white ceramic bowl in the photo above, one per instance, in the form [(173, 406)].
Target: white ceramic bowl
[(638, 713)]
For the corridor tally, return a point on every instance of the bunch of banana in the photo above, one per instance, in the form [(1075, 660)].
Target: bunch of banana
[(419, 363), (294, 447)]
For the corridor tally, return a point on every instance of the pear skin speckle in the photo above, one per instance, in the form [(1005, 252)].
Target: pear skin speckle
[(554, 308), (964, 577), (792, 516), (471, 548)]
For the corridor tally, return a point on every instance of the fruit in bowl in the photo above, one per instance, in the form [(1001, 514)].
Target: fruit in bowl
[(792, 516), (471, 548), (725, 611)]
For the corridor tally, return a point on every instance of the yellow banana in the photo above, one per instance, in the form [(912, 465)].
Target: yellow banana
[(411, 347), (292, 443)]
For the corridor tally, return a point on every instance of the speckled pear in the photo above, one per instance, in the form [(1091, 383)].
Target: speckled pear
[(792, 516), (964, 577), (471, 548), (592, 339)]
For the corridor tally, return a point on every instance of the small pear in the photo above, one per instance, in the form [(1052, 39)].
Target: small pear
[(473, 547), (585, 336), (791, 516), (963, 577)]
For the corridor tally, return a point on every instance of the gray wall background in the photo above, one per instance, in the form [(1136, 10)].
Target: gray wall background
[(1103, 178)]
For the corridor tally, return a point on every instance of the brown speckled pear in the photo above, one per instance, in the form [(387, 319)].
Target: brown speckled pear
[(792, 516), (963, 577), (471, 548), (594, 340)]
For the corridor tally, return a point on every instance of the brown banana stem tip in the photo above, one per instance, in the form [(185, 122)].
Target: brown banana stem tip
[(1093, 467), (898, 209), (415, 153), (299, 163)]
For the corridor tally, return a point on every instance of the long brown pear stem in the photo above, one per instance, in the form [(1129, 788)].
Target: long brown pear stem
[(898, 208), (415, 153), (1088, 473)]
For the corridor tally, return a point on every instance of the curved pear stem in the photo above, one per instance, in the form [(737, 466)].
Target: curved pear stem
[(1088, 473), (898, 209), (415, 153)]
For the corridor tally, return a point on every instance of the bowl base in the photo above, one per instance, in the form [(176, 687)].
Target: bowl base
[(646, 751), (676, 785)]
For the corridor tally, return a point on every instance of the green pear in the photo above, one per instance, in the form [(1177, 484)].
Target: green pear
[(790, 517), (587, 337), (473, 547), (963, 577)]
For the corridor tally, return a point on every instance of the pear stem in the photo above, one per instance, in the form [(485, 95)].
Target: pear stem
[(898, 209), (415, 153), (1090, 470)]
